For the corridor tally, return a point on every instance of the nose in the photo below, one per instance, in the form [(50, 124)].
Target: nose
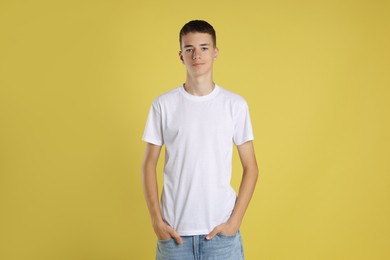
[(196, 54)]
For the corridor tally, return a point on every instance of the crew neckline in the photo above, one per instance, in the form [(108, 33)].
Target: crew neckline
[(209, 96)]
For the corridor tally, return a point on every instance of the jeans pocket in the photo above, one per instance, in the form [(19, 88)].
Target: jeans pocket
[(164, 240), (227, 236)]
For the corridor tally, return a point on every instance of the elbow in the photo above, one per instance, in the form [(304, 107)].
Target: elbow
[(148, 168), (252, 171), (145, 168), (256, 173)]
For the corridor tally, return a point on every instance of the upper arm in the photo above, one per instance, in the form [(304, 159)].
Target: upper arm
[(152, 153), (247, 155)]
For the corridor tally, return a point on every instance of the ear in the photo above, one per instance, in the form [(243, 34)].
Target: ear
[(181, 56), (216, 52)]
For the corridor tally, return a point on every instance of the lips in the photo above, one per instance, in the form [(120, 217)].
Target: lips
[(197, 64)]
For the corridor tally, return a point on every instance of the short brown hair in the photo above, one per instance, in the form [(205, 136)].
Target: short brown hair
[(198, 26)]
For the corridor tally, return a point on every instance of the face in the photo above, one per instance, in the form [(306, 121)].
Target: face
[(198, 53)]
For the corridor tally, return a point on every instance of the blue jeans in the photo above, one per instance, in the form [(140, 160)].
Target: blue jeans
[(198, 248)]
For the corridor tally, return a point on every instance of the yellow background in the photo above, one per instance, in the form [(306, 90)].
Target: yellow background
[(77, 79)]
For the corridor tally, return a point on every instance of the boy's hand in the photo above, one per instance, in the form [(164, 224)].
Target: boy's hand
[(226, 229), (164, 231)]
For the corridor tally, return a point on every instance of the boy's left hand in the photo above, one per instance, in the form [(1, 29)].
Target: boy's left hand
[(226, 229)]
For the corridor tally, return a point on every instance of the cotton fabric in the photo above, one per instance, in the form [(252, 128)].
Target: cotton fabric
[(198, 133)]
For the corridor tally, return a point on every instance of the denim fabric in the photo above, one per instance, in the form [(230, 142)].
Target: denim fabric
[(198, 248)]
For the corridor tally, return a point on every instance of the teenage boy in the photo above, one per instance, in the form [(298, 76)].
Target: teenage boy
[(199, 121)]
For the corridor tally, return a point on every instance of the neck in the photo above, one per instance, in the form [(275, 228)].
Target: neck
[(199, 86)]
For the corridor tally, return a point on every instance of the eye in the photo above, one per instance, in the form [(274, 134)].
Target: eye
[(204, 48), (188, 50)]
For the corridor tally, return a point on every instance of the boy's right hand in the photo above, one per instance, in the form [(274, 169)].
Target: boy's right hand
[(164, 232)]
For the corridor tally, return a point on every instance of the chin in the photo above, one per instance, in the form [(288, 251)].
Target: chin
[(199, 71)]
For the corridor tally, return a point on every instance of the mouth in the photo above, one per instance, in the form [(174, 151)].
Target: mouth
[(197, 64)]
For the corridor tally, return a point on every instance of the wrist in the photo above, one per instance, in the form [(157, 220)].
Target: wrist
[(157, 221), (233, 222)]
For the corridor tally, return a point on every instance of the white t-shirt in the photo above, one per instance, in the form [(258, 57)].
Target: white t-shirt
[(198, 133)]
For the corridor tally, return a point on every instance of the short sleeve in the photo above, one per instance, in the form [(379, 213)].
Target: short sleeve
[(242, 125), (153, 129)]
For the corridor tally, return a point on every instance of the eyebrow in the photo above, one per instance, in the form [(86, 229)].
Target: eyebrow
[(203, 44)]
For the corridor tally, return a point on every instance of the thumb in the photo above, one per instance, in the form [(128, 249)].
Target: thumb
[(176, 236), (212, 233)]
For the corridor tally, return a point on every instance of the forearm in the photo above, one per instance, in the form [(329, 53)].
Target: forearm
[(245, 193), (151, 193), (247, 187)]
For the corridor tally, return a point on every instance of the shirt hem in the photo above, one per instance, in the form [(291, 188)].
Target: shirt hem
[(152, 141), (194, 233), (245, 140)]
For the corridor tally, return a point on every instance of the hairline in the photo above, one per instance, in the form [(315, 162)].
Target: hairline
[(198, 26)]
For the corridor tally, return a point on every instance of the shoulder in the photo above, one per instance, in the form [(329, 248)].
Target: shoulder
[(167, 97), (234, 99)]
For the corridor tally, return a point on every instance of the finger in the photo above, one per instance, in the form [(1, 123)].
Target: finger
[(212, 234), (176, 236)]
